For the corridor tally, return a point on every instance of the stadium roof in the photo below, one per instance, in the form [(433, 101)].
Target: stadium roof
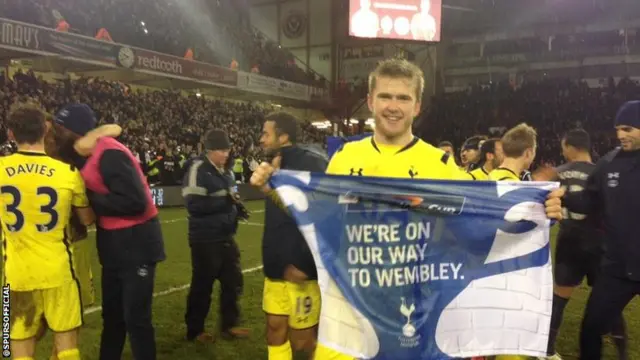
[(46, 50), (59, 65)]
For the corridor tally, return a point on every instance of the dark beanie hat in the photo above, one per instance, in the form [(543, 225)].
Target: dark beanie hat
[(629, 114), (77, 118), (216, 140)]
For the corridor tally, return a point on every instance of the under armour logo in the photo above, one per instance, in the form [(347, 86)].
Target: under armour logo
[(353, 172), (412, 173), (142, 271), (613, 182)]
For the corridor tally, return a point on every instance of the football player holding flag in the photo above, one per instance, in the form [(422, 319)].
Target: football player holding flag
[(395, 89)]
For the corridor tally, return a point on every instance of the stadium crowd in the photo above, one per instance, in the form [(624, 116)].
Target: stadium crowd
[(551, 106), (160, 124), (157, 124), (144, 24), (168, 124)]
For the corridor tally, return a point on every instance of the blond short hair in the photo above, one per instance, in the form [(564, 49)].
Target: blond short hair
[(397, 68), (518, 139)]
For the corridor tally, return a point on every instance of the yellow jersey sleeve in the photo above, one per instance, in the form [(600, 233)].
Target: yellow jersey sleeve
[(503, 174), (79, 192)]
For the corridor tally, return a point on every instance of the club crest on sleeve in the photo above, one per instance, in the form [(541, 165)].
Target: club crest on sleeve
[(412, 172)]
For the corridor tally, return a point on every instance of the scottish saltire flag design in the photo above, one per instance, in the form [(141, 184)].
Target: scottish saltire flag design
[(426, 269)]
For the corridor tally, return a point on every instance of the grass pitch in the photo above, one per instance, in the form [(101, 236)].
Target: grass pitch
[(173, 277)]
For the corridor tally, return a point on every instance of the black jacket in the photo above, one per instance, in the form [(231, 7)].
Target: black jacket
[(613, 193), (140, 244), (282, 242), (209, 201)]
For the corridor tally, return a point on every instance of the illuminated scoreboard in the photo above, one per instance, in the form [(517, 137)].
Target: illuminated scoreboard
[(417, 20)]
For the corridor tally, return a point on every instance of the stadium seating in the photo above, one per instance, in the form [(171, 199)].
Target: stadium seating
[(154, 121), (552, 106), (216, 32)]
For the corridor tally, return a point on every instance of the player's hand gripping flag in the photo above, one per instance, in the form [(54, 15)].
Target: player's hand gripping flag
[(426, 269)]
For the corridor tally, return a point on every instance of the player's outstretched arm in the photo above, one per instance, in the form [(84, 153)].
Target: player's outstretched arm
[(85, 145), (545, 173), (553, 205), (589, 201)]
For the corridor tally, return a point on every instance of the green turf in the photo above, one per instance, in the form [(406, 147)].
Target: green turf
[(175, 272)]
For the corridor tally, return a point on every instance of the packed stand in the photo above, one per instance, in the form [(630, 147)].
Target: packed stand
[(552, 106), (212, 29), (163, 128)]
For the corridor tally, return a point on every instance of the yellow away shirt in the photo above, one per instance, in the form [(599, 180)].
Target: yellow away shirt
[(417, 160), (37, 193), (479, 174), (503, 174)]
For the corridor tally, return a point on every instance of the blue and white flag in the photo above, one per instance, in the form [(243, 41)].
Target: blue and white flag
[(426, 269)]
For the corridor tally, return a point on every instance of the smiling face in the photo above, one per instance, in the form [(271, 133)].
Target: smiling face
[(395, 91), (394, 105), (629, 137)]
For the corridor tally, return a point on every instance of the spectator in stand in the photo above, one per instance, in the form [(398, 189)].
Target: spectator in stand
[(143, 23), (552, 106), (162, 128), (150, 119)]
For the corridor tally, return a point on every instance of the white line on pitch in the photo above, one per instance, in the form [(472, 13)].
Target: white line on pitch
[(170, 290), (183, 219)]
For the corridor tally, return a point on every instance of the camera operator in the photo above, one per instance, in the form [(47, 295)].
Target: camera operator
[(214, 210)]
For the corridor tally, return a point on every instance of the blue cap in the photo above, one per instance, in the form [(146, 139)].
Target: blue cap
[(77, 118), (629, 114)]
